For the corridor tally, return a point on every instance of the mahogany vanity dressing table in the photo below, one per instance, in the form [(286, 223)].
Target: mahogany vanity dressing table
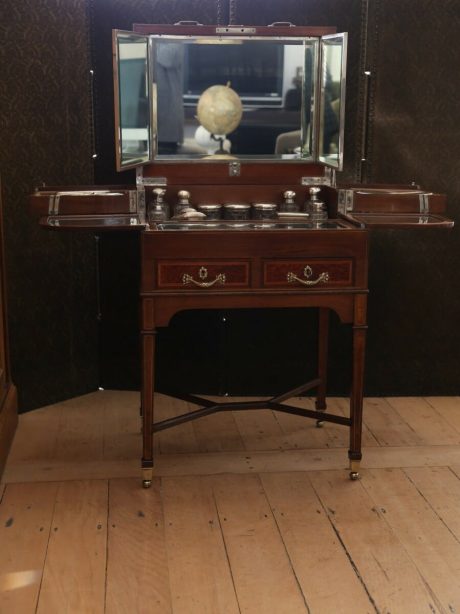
[(290, 261)]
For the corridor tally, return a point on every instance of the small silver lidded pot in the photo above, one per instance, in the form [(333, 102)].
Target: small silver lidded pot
[(158, 210), (212, 211), (264, 211), (289, 205), (237, 211)]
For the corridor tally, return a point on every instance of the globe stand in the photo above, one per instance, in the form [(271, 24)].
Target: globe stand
[(220, 140)]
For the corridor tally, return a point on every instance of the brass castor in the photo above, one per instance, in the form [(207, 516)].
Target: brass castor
[(319, 424), (147, 475), (354, 469)]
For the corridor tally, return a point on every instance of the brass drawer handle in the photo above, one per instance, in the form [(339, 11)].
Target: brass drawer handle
[(203, 274), (308, 272)]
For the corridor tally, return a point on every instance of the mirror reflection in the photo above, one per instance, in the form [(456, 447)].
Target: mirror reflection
[(332, 101), (233, 96), (133, 96)]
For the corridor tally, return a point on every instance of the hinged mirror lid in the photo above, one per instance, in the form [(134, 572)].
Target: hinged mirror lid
[(133, 96), (332, 86), (274, 71)]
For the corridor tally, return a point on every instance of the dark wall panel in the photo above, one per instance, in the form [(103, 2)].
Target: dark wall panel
[(414, 337), (46, 138)]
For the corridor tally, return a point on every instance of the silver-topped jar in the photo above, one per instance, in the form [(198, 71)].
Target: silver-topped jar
[(211, 211), (264, 211), (237, 211), (183, 202), (289, 205)]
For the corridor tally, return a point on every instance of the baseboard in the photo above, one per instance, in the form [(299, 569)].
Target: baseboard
[(8, 424)]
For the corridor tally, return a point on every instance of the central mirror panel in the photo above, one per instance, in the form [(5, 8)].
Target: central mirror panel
[(210, 97), (234, 96)]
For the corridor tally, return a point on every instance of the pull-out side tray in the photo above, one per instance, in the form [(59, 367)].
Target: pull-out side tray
[(392, 207)]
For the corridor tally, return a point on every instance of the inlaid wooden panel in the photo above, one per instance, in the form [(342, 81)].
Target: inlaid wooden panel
[(215, 274), (312, 272)]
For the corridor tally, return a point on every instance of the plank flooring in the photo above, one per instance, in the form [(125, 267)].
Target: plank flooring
[(249, 512)]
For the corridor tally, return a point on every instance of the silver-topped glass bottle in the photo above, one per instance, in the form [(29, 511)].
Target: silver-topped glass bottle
[(289, 205), (158, 209), (314, 207)]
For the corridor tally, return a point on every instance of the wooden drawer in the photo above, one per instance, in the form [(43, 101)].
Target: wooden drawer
[(193, 274), (308, 273)]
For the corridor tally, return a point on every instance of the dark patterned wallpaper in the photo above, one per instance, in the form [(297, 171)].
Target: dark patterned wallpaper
[(45, 124), (45, 136), (414, 337)]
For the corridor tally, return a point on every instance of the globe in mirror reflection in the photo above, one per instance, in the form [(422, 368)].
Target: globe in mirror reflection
[(219, 109)]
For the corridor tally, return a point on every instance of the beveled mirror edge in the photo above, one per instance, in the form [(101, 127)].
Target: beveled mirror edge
[(343, 77), (127, 34)]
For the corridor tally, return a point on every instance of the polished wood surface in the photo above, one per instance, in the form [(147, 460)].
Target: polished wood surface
[(227, 502), (211, 269), (8, 394), (188, 270), (192, 28)]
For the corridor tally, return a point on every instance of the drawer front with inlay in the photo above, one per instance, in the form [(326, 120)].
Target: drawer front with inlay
[(308, 273), (190, 274)]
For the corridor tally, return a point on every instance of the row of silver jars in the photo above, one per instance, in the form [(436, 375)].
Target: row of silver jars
[(239, 211), (158, 210)]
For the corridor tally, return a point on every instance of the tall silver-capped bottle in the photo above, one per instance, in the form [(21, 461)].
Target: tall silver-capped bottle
[(158, 209), (315, 207)]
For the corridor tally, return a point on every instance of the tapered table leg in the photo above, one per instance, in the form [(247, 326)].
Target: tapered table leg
[(323, 343), (147, 400), (356, 397)]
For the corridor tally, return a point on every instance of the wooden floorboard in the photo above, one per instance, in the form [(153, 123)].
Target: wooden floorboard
[(321, 565), (428, 541), (248, 512), (200, 576), (386, 570), (235, 462), (137, 564), (261, 568), (75, 566), (26, 514)]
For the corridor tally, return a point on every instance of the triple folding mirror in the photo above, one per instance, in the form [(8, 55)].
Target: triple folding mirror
[(186, 98)]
